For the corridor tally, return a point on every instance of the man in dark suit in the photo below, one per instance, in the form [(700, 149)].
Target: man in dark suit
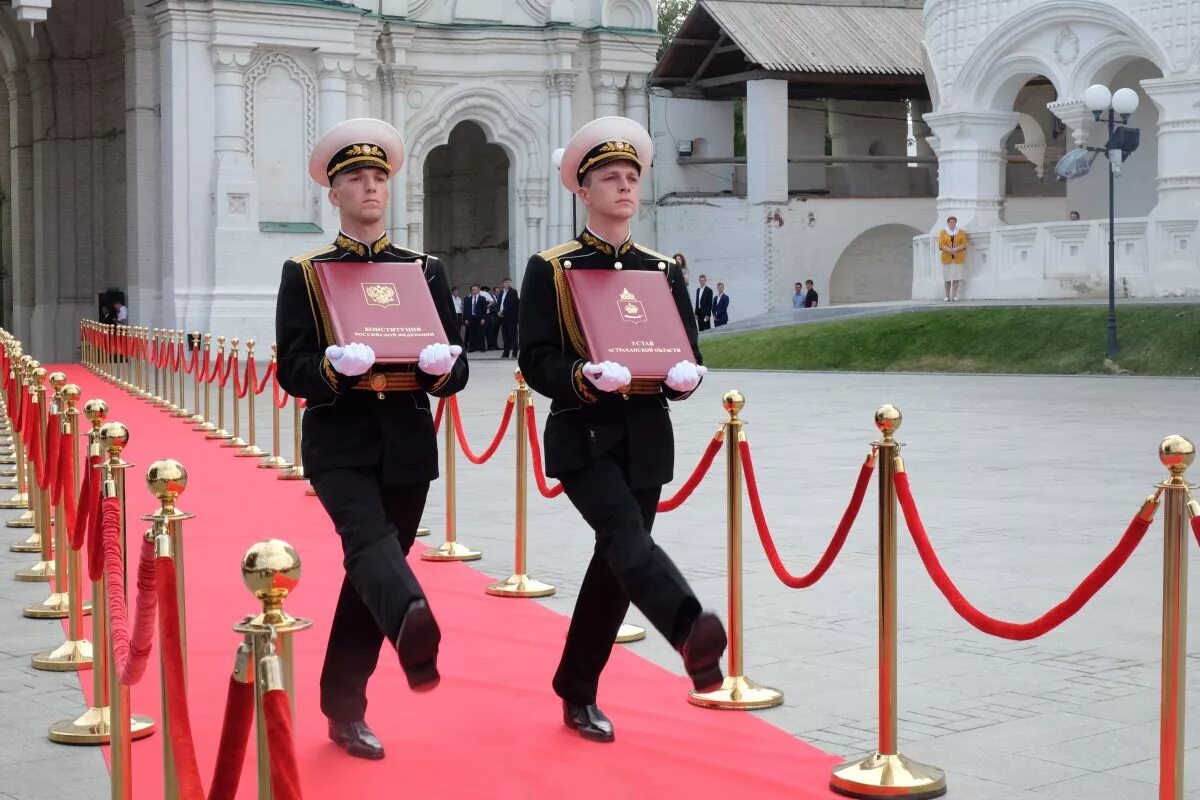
[(508, 303), (720, 306), (493, 318), (368, 442), (704, 304), (475, 316), (615, 449)]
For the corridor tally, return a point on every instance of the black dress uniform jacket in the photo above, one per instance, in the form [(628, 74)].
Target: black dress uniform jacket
[(585, 423), (347, 426)]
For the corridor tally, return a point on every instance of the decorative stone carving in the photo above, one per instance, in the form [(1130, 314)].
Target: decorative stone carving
[(258, 71), (1066, 46), (537, 98)]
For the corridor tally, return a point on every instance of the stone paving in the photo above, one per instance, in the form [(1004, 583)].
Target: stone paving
[(1024, 484)]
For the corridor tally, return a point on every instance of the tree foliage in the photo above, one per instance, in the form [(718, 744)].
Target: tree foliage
[(671, 14)]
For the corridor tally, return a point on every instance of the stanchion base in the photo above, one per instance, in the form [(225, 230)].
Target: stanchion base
[(234, 441), (630, 633), (451, 551), (278, 462), (31, 545), (94, 727), (520, 586), (205, 426), (6, 485), (250, 451), (737, 692), (8, 471), (41, 571), (182, 412), (219, 434), (56, 606), (18, 500), (880, 775), (294, 473), (423, 531), (72, 656), (24, 521), (310, 491)]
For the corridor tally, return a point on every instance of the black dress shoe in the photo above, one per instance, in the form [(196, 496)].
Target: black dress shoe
[(589, 721), (356, 739), (702, 652), (417, 644)]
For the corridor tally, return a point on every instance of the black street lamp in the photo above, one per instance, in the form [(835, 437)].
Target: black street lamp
[(1121, 142)]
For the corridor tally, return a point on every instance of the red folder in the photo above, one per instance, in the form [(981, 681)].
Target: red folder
[(386, 305), (630, 317)]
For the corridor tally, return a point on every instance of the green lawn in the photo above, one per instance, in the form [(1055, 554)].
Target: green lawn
[(1155, 340)]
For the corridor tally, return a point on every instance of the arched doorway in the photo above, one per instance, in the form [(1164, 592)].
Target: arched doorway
[(466, 207), (875, 267), (1036, 143)]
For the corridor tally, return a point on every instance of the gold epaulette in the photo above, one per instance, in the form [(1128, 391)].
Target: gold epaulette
[(316, 298), (560, 250), (311, 254), (654, 254)]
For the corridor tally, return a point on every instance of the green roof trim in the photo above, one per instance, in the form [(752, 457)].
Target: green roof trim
[(289, 227), (332, 5), (415, 23)]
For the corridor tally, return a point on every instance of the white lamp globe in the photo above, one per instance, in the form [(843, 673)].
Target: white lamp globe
[(1097, 97), (1125, 101)]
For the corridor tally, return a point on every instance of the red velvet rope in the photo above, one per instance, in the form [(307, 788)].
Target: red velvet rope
[(183, 747), (235, 733), (231, 364), (285, 775), (281, 397), (242, 386), (65, 489), (839, 536), (706, 459), (535, 450), (462, 437), (89, 499), (47, 460), (33, 445), (1196, 528), (1020, 632), (131, 650), (437, 417), (95, 534), (217, 369), (268, 375), (191, 360)]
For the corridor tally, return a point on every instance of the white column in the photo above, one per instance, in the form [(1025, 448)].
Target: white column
[(606, 93), (532, 199), (143, 243), (356, 98), (20, 192), (45, 229), (637, 101), (553, 138), (1178, 103), (971, 161), (564, 91), (332, 102), (6, 260), (416, 208), (395, 86), (766, 141), (230, 94)]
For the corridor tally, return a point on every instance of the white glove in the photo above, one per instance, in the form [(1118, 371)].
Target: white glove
[(351, 360), (607, 376), (438, 359), (685, 376)]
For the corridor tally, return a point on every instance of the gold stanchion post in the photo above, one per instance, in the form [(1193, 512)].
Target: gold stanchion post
[(219, 432), (737, 691), (181, 349), (519, 584), (296, 471), (194, 343), (75, 653), (204, 423), (1176, 454), (20, 500), (235, 439), (166, 480), (451, 549), (271, 570), (274, 461), (888, 773), (251, 450), (44, 569), (156, 349)]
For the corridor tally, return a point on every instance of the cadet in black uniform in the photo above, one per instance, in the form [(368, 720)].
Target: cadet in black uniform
[(608, 439), (368, 441)]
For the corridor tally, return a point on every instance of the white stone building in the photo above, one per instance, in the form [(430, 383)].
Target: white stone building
[(159, 147), (830, 189)]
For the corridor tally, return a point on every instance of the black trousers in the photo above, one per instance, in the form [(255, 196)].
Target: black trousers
[(626, 566), (702, 322), (508, 329), (476, 335), (377, 525)]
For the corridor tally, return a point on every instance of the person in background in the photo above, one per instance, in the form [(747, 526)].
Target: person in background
[(475, 315), (798, 297), (509, 305), (704, 302), (458, 303), (952, 242), (682, 262), (810, 294), (1073, 216), (720, 306), (122, 313)]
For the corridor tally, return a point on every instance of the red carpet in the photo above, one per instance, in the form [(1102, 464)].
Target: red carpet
[(492, 729)]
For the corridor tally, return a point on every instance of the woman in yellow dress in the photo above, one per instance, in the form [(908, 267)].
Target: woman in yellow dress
[(952, 243)]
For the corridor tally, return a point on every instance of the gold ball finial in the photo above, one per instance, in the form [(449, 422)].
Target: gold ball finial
[(249, 344), (114, 436), (39, 373), (233, 342), (733, 402), (221, 341), (166, 480), (96, 410), (57, 380), (71, 392), (518, 375), (1176, 454), (271, 570), (888, 419)]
